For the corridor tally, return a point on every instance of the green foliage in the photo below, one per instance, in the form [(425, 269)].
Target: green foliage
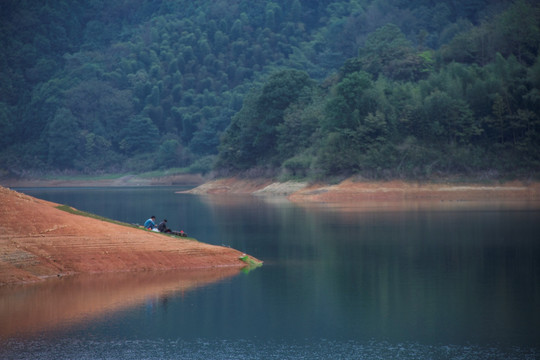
[(63, 139), (298, 166), (337, 154), (71, 210), (168, 153), (253, 134), (299, 128), (450, 119), (281, 91), (251, 263), (140, 136), (512, 32), (374, 87), (203, 165), (7, 128), (96, 153), (350, 103)]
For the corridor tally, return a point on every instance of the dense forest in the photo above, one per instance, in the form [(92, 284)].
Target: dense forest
[(379, 88)]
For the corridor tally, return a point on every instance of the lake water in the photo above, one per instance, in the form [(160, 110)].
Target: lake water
[(425, 280)]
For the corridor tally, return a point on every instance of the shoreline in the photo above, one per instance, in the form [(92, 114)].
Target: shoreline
[(352, 191), (55, 243), (122, 181), (349, 190), (40, 241)]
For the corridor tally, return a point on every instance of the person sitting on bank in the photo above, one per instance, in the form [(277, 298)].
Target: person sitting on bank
[(162, 227), (150, 224)]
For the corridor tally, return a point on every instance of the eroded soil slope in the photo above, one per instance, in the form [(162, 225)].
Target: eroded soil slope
[(353, 191), (37, 240), (350, 191)]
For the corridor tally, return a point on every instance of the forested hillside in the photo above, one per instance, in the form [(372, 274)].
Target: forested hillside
[(299, 88)]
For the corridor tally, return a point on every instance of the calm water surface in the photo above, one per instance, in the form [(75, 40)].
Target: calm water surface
[(448, 280)]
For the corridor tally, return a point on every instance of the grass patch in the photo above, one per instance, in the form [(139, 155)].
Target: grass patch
[(73, 211), (252, 264)]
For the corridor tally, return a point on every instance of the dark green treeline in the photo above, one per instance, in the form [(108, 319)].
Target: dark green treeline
[(302, 88)]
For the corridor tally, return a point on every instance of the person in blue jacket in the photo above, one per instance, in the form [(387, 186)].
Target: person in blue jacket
[(150, 223)]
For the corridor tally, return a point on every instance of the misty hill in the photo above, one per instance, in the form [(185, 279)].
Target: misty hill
[(301, 88)]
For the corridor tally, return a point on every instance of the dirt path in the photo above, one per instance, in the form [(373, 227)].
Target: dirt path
[(37, 240)]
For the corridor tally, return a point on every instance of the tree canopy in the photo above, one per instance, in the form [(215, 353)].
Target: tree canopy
[(302, 88)]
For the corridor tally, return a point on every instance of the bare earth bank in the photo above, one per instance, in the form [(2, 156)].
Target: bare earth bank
[(37, 240), (350, 191)]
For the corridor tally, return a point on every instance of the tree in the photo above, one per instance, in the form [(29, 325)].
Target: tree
[(236, 145), (252, 136), (96, 152), (299, 127), (7, 127), (387, 51), (520, 28), (140, 136), (349, 104), (282, 90), (63, 140), (336, 155), (296, 10), (169, 154), (186, 67), (46, 99), (100, 108), (450, 118)]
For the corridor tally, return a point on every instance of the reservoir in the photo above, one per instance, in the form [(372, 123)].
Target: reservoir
[(387, 280)]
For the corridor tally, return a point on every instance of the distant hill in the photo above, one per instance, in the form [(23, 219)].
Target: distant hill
[(294, 88)]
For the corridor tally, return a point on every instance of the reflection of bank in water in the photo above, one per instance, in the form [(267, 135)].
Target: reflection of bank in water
[(60, 303)]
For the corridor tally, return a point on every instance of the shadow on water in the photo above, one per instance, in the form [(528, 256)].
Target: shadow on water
[(58, 304)]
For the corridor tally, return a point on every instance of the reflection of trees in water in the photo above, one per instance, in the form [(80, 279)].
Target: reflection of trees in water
[(427, 269)]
